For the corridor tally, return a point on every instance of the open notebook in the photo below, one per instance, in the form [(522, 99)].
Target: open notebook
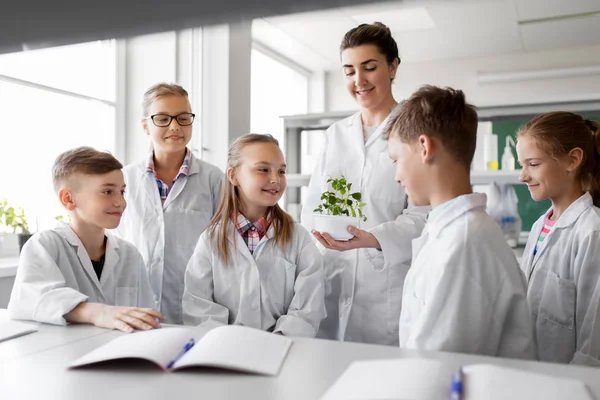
[(229, 347), (12, 329), (421, 379)]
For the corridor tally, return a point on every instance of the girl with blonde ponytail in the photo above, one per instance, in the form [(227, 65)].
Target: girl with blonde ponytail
[(254, 265), (560, 155)]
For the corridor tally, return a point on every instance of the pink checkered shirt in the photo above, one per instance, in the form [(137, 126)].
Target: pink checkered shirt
[(252, 233), (163, 188)]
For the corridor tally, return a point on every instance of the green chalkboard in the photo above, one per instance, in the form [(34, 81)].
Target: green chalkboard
[(529, 210)]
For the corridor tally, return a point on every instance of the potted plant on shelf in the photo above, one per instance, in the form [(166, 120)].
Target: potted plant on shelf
[(339, 209), (14, 218)]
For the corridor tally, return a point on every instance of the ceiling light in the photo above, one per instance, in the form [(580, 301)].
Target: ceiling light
[(552, 73)]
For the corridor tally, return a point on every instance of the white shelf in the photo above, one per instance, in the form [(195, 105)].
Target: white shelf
[(477, 178), (487, 177), (297, 180)]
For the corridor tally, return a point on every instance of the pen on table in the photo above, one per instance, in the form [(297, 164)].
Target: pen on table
[(184, 350), (457, 385)]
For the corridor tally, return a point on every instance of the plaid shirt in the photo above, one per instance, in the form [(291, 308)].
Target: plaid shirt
[(163, 188), (251, 233)]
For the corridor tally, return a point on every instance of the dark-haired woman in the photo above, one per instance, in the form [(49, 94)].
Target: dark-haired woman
[(363, 293)]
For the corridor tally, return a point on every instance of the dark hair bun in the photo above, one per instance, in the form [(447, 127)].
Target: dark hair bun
[(383, 27)]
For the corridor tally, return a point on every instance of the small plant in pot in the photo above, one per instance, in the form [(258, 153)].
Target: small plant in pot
[(339, 208), (14, 218)]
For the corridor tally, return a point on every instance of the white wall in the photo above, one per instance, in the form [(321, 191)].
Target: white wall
[(226, 68), (462, 75), (149, 60)]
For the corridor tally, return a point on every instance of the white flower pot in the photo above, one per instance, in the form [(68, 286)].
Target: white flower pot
[(335, 225)]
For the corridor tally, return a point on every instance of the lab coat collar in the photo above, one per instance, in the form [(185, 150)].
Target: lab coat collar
[(69, 234), (459, 207), (356, 122), (240, 244), (572, 213), (568, 218), (193, 168), (111, 257), (354, 119)]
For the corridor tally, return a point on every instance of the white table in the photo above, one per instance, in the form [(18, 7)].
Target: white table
[(311, 367), (47, 337)]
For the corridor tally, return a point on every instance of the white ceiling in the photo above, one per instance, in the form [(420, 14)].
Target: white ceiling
[(462, 29)]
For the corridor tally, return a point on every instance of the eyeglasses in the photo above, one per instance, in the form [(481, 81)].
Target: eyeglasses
[(163, 120)]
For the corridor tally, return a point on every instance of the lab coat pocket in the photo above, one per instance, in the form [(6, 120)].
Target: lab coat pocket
[(557, 303), (126, 296), (281, 284)]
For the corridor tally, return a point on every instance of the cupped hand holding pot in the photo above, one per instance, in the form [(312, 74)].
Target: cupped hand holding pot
[(362, 239)]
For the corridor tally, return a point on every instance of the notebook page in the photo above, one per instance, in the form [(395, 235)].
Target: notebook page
[(491, 382), (410, 379), (11, 329), (157, 345), (238, 348)]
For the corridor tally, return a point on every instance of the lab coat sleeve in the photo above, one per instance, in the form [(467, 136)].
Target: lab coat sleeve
[(198, 304), (316, 186), (40, 293), (395, 238), (307, 307), (457, 312), (587, 308), (146, 297)]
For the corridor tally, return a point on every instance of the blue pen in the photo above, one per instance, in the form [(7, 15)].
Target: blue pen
[(457, 385), (184, 350)]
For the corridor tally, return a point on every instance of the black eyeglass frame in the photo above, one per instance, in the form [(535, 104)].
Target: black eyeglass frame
[(171, 117)]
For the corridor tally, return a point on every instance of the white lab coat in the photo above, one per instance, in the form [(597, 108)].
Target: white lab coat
[(363, 300), (273, 289), (564, 285), (55, 274), (166, 234), (465, 291)]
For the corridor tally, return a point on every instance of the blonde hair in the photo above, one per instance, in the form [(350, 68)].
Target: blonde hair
[(83, 160), (559, 132), (161, 90), (230, 204)]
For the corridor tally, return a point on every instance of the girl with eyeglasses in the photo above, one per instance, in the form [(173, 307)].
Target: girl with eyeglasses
[(171, 196)]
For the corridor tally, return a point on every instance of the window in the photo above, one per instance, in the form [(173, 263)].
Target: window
[(276, 90), (52, 100)]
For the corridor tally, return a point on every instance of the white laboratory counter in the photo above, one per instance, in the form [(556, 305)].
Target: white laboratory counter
[(37, 368)]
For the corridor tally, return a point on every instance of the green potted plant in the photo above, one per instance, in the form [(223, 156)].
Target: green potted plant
[(14, 218), (339, 208)]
